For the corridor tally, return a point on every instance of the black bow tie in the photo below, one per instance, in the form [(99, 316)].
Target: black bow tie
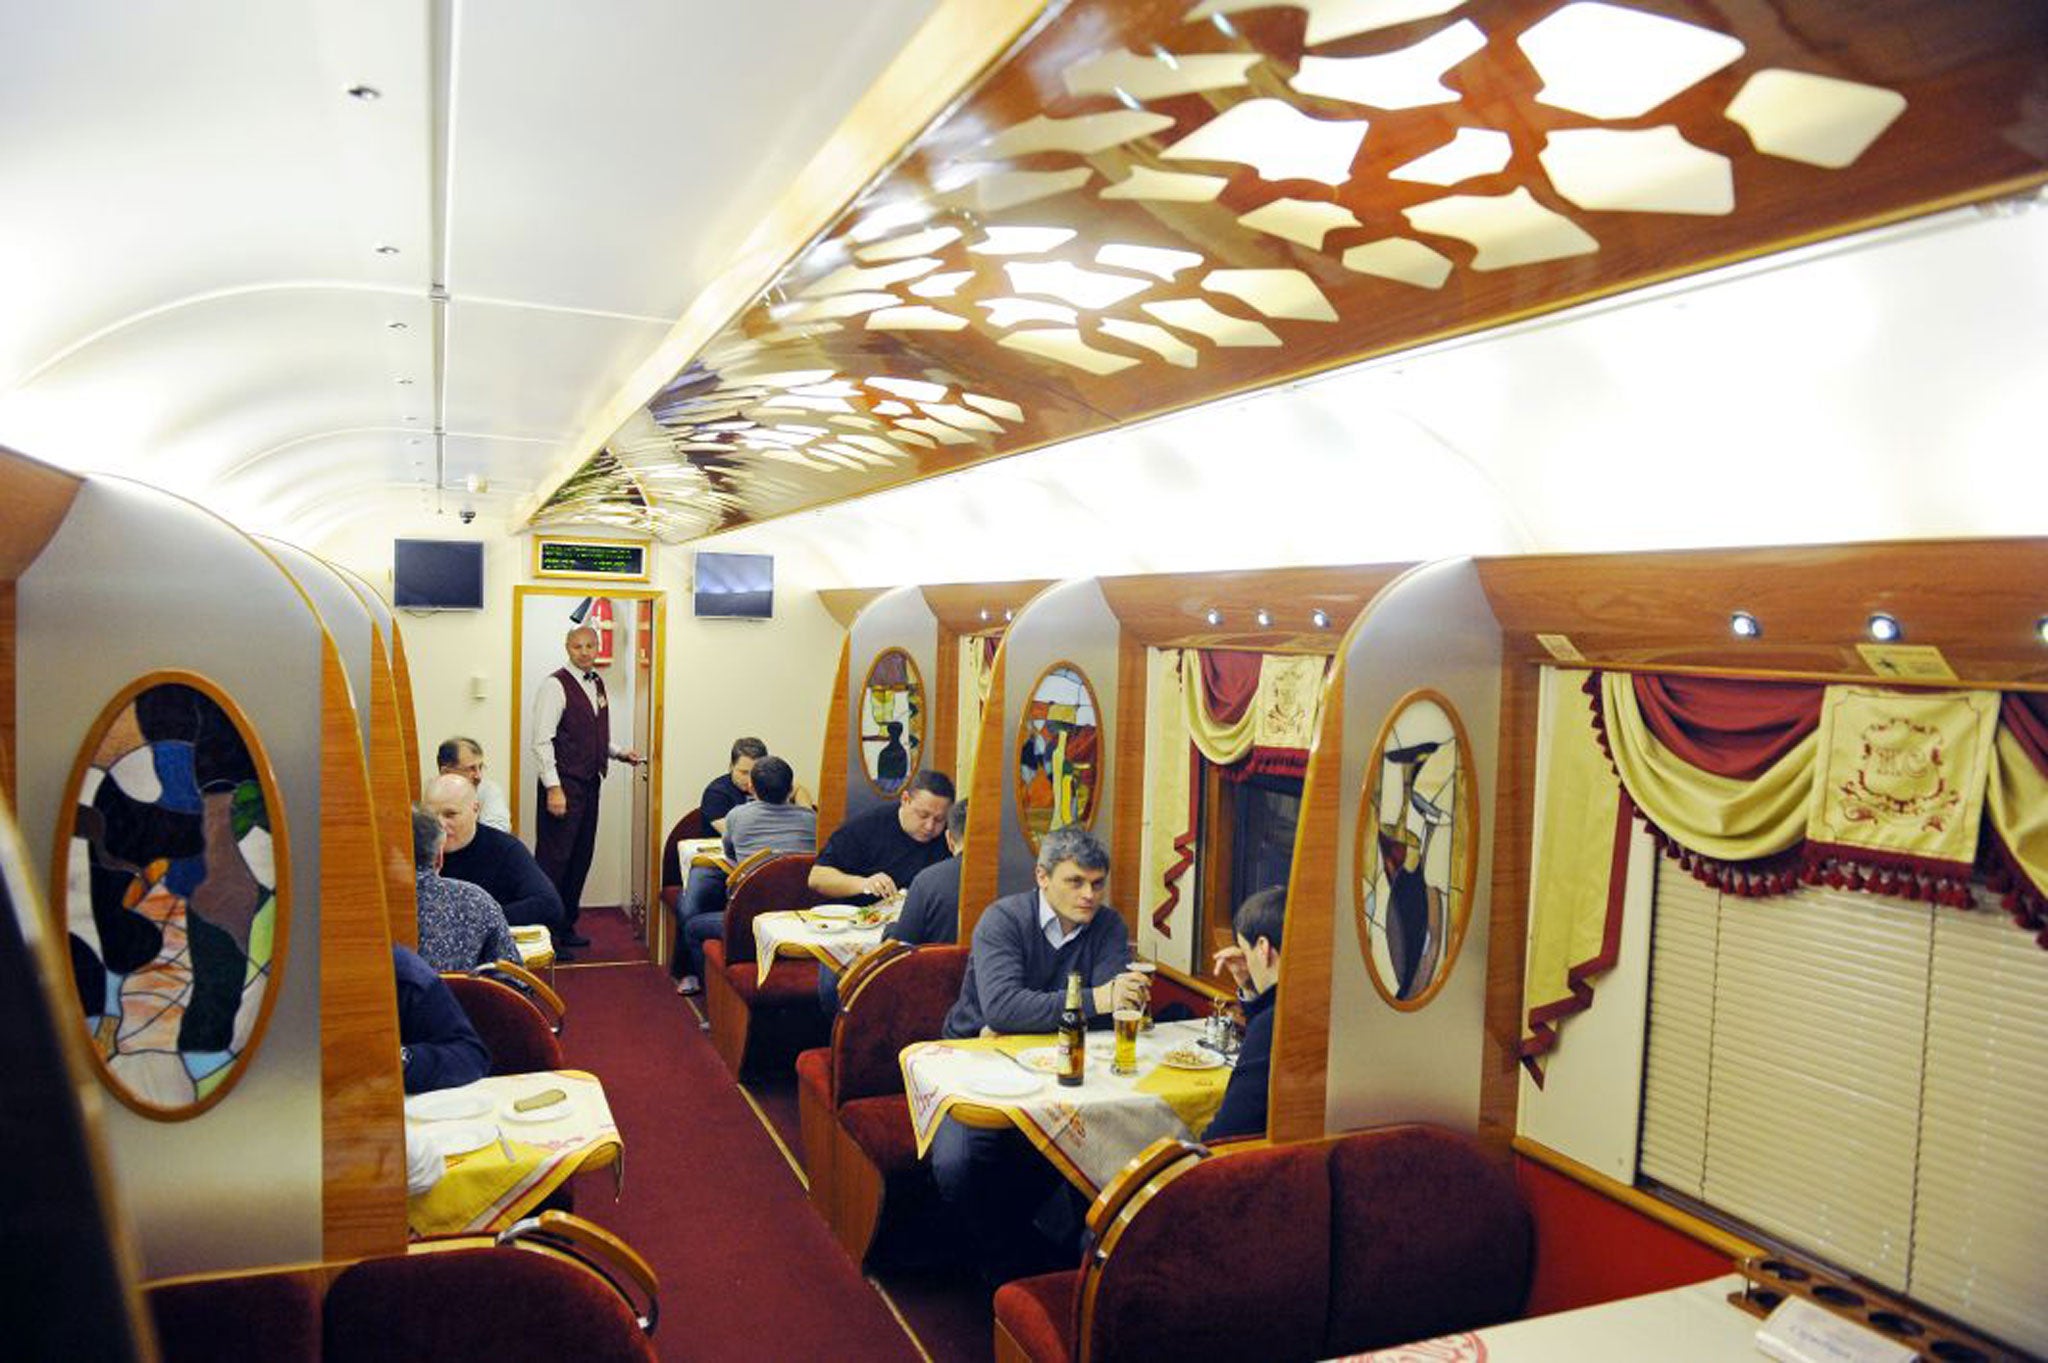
[(590, 676)]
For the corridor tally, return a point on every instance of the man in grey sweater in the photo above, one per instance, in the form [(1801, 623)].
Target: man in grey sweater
[(768, 822), (1024, 947)]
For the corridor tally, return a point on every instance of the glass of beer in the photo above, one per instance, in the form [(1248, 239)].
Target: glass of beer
[(1126, 1059), (1147, 967)]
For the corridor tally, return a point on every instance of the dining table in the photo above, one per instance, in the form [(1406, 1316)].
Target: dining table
[(484, 1154), (1089, 1132), (837, 934), (1691, 1324)]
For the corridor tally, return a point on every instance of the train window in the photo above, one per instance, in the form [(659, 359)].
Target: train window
[(1858, 1076), (1246, 836)]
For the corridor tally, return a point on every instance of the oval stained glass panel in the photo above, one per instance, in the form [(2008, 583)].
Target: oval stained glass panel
[(173, 864), (892, 721), (1059, 753), (1416, 851)]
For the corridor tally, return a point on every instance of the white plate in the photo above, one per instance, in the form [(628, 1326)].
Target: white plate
[(448, 1105), (830, 925), (460, 1139), (1043, 1059), (1188, 1056), (1007, 1082), (552, 1112), (840, 911)]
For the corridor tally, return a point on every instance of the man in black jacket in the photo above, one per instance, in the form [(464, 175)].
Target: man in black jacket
[(1254, 962), (497, 861)]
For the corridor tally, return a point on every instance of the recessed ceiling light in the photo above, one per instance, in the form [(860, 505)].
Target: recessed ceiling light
[(387, 249), (2041, 629), (1007, 614), (1264, 618), (366, 93), (984, 612), (1213, 616), (1319, 617), (1885, 628), (1743, 625)]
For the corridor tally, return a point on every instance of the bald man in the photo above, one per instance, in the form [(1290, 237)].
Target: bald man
[(497, 862), (572, 739)]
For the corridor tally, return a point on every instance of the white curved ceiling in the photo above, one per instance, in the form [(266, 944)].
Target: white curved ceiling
[(191, 290)]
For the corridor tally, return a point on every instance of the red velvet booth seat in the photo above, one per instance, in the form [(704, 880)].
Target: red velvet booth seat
[(740, 1000), (856, 1125), (516, 1014), (1306, 1251), (548, 1289)]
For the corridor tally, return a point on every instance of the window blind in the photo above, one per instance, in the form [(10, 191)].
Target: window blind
[(1863, 1078)]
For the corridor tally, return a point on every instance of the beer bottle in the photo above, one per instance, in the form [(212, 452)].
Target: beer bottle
[(1073, 1035)]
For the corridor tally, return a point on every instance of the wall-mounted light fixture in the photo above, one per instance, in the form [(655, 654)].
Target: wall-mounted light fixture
[(1265, 619), (1319, 617), (1885, 628), (984, 613), (1008, 614), (1213, 616), (1743, 625), (2041, 629)]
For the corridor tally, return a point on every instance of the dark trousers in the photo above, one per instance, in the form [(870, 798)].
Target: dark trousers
[(563, 846), (700, 915), (1005, 1196)]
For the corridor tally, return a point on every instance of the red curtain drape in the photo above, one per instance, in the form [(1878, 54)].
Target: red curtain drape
[(1725, 725), (1229, 682)]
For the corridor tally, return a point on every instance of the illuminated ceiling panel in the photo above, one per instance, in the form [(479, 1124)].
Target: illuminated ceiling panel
[(1154, 203)]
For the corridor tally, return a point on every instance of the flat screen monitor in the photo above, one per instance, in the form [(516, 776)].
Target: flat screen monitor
[(444, 575), (736, 586)]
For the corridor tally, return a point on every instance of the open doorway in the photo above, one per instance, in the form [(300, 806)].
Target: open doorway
[(629, 659)]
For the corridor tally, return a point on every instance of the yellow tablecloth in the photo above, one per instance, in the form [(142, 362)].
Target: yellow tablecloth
[(800, 932), (1090, 1132), (536, 950), (482, 1189)]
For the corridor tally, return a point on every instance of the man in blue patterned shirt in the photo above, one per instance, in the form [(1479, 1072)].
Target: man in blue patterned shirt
[(460, 925)]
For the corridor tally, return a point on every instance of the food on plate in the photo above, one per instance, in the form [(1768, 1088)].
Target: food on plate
[(534, 1101), (1188, 1054)]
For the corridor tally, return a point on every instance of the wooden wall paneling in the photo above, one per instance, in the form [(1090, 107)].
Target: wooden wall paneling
[(391, 791), (1127, 816), (408, 716), (960, 606), (1514, 819), (1169, 610), (942, 706), (832, 760), (362, 1115), (1298, 1091), (1978, 601), (34, 499), (845, 604), (981, 861)]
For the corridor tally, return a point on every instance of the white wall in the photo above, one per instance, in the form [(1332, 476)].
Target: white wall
[(724, 678)]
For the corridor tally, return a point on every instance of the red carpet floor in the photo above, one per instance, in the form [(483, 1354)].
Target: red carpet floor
[(748, 1270)]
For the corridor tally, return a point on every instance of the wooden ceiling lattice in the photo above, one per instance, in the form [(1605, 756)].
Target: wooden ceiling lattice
[(1154, 204)]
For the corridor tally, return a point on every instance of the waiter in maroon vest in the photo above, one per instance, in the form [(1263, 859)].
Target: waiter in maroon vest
[(572, 737)]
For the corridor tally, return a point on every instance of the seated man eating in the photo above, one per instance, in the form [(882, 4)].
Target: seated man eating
[(496, 861), (769, 822), (1025, 945), (873, 855)]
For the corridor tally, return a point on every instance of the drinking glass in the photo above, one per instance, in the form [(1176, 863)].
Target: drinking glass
[(1126, 1058), (1147, 967)]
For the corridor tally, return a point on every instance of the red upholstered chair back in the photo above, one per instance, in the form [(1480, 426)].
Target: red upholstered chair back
[(507, 1306), (1228, 1261), (1429, 1235), (905, 1000), (780, 882), (516, 1032), (269, 1315), (691, 825)]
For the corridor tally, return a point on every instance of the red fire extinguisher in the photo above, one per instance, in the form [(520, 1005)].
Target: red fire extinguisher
[(601, 621)]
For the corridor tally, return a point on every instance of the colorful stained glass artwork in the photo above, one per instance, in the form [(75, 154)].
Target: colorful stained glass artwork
[(1415, 851), (171, 896), (892, 721), (1059, 753)]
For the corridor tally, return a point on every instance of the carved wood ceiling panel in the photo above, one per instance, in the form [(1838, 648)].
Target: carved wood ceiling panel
[(1154, 204)]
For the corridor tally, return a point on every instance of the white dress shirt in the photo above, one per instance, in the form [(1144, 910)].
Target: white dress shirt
[(495, 811), (548, 704)]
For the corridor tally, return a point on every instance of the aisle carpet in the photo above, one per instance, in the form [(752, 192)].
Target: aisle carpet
[(748, 1270)]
